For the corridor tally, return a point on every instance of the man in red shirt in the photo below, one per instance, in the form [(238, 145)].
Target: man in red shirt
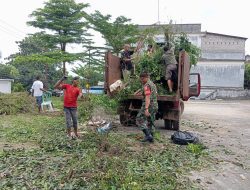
[(71, 94)]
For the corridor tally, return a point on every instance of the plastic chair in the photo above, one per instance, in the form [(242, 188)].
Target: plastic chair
[(47, 101)]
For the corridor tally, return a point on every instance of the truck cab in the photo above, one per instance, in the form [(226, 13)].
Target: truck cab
[(171, 107)]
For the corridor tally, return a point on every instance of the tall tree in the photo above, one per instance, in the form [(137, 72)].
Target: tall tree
[(93, 68), (63, 19), (116, 33), (182, 42), (31, 61), (36, 43), (8, 71)]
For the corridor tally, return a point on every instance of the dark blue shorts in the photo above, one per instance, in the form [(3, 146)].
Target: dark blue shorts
[(71, 115), (39, 100)]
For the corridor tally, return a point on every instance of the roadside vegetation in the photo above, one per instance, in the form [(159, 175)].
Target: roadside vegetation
[(35, 154), (247, 76)]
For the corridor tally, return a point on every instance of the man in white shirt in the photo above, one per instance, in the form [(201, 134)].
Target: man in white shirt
[(37, 91)]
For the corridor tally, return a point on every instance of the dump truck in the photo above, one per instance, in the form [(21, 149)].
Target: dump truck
[(170, 108)]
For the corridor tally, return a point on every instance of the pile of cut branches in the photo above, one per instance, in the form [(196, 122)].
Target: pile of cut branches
[(19, 102)]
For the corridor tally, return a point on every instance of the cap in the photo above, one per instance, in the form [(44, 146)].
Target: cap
[(76, 78)]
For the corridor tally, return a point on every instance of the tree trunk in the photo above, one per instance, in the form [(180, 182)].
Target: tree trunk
[(64, 68), (46, 76), (63, 49)]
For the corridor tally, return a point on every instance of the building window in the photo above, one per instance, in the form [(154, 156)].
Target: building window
[(229, 43), (221, 43)]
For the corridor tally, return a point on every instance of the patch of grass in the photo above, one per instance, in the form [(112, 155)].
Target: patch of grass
[(28, 127), (92, 162), (196, 149), (57, 102), (90, 102)]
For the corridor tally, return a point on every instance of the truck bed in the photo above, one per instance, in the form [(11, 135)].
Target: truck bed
[(159, 97)]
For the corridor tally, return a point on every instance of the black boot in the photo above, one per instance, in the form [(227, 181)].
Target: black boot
[(151, 132), (151, 127), (148, 137)]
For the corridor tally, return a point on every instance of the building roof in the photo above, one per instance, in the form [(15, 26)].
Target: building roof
[(185, 28), (221, 60), (12, 80), (177, 28), (225, 35)]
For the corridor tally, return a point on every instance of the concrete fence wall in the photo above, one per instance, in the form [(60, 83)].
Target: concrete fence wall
[(233, 93), (220, 74)]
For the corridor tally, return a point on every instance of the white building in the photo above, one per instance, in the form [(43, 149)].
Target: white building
[(5, 85), (221, 64)]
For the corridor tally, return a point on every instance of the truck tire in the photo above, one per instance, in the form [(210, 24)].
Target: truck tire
[(124, 119), (127, 119), (176, 125), (168, 124)]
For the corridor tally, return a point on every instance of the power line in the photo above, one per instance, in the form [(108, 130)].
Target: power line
[(10, 32), (12, 26), (158, 11), (14, 35)]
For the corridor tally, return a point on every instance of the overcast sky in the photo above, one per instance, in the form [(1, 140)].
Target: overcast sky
[(218, 16)]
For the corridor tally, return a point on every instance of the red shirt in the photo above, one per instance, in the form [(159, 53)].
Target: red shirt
[(70, 95)]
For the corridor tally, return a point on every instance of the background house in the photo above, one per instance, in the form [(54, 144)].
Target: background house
[(222, 61), (5, 85), (221, 65)]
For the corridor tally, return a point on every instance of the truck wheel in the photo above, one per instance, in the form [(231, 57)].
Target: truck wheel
[(127, 119), (124, 119), (168, 124), (176, 125)]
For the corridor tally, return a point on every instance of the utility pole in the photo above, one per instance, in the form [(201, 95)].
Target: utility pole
[(158, 11)]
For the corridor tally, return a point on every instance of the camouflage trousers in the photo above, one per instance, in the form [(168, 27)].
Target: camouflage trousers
[(145, 122)]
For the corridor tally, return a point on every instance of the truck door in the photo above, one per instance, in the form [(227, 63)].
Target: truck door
[(194, 84), (183, 73), (112, 71), (189, 83)]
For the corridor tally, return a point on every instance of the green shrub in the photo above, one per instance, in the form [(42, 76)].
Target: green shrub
[(196, 149), (247, 76), (89, 103), (14, 103), (17, 87)]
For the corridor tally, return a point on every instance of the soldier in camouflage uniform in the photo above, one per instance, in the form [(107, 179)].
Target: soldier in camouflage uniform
[(146, 116)]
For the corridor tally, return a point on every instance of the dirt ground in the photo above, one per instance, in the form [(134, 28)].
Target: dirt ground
[(224, 127)]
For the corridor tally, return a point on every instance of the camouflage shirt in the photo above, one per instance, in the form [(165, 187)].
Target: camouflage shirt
[(153, 95), (169, 57)]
